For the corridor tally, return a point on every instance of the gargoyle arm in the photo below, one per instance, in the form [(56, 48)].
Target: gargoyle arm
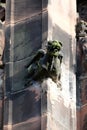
[(40, 53)]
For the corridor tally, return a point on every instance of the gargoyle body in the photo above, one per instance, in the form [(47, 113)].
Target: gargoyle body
[(46, 63)]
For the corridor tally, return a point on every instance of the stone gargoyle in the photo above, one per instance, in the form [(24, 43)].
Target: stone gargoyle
[(81, 29), (46, 64)]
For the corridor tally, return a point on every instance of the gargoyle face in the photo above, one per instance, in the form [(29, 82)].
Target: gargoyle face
[(54, 47)]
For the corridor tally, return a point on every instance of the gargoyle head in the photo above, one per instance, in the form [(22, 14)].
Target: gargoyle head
[(54, 47)]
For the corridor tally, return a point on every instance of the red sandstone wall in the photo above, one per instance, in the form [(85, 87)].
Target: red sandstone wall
[(82, 118)]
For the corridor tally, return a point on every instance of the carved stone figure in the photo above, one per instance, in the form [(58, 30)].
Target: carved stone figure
[(46, 63), (81, 29)]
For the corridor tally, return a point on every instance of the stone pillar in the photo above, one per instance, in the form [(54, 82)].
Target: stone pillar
[(61, 105), (24, 34), (82, 67)]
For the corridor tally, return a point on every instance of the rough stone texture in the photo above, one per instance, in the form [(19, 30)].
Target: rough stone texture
[(62, 104), (24, 38), (27, 34), (17, 76), (83, 90), (26, 26), (81, 72), (82, 104), (82, 118), (23, 114), (19, 10), (25, 29)]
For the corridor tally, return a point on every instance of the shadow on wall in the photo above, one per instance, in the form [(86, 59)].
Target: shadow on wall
[(26, 109), (17, 55), (26, 104), (28, 37)]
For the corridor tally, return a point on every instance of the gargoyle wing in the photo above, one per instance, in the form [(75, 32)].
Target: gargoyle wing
[(40, 53)]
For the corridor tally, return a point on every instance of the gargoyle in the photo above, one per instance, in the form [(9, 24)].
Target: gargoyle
[(46, 63), (81, 29)]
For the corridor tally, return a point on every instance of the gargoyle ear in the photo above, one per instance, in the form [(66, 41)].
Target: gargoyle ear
[(60, 43)]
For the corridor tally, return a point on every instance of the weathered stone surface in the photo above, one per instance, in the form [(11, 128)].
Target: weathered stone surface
[(81, 65), (19, 10), (83, 90), (60, 108), (27, 38), (23, 39), (44, 26), (24, 108), (44, 4), (8, 12), (6, 112), (16, 75), (82, 118), (23, 9), (62, 104)]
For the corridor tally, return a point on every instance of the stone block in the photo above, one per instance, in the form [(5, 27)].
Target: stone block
[(83, 88), (23, 39), (44, 4), (8, 12), (24, 109), (82, 118), (22, 9), (19, 10), (44, 26), (16, 73), (6, 112)]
